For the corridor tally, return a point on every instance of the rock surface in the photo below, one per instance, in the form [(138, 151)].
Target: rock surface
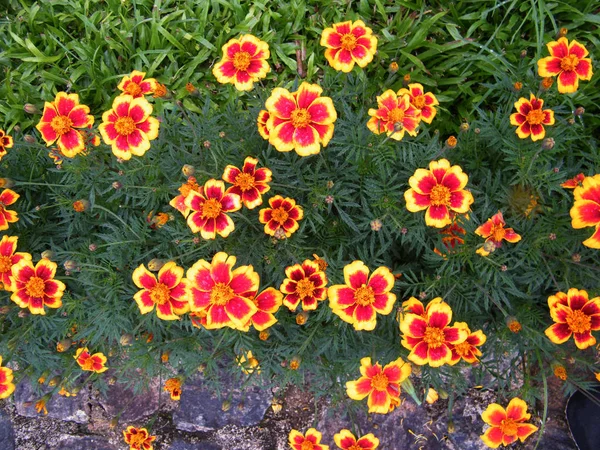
[(7, 432), (130, 405), (70, 409), (80, 443)]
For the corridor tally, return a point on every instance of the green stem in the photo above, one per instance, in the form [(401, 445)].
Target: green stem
[(108, 211)]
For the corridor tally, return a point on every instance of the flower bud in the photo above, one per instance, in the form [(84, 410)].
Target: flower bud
[(376, 225), (579, 111), (560, 371), (6, 183), (464, 127), (117, 185), (513, 324), (295, 363), (548, 144), (156, 264), (126, 339), (81, 205), (276, 405), (93, 247), (443, 394), (264, 335), (31, 109), (393, 67), (188, 170), (226, 406), (451, 142), (547, 83), (70, 265), (54, 381), (518, 86), (63, 345), (302, 318), (451, 427), (29, 139)]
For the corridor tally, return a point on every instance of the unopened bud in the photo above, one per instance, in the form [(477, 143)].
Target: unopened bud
[(376, 225), (579, 111), (451, 427), (451, 142), (264, 335), (31, 109), (548, 144), (48, 254), (29, 139), (6, 183), (126, 339), (188, 170), (23, 313), (464, 127), (226, 406), (156, 264), (393, 67), (302, 318), (117, 185), (70, 265), (63, 345), (93, 247), (54, 381), (81, 205)]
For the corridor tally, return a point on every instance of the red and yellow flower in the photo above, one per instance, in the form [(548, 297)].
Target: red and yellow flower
[(467, 350), (244, 62), (348, 43), (423, 101), (208, 210), (304, 283), (170, 292), (507, 425), (530, 118), (8, 258), (573, 182), (173, 387), (224, 294), (578, 318), (35, 287), (569, 62), (91, 363), (586, 209), (248, 363), (394, 116), (493, 231), (136, 85), (7, 198), (311, 440), (301, 120), (346, 441), (128, 127), (267, 304), (283, 214), (138, 438), (430, 339), (6, 385), (261, 122), (414, 306), (179, 202), (452, 236), (6, 142), (363, 296), (60, 121), (441, 191), (382, 386), (249, 183)]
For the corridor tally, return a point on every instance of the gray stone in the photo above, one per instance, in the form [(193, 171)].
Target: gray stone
[(71, 409), (131, 406), (179, 444), (7, 433), (81, 443)]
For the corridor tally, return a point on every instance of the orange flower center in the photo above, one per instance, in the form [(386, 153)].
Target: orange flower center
[(379, 382), (509, 427), (35, 287), (211, 208), (244, 181), (242, 60), (535, 116), (355, 447), (396, 115), (463, 349), (364, 296), (440, 195), (61, 124), (5, 264), (125, 126), (172, 383), (569, 62), (434, 337), (579, 322), (137, 440), (498, 232), (221, 294), (305, 288), (279, 215), (348, 42), (419, 101), (160, 294), (300, 118), (186, 188), (307, 445), (88, 364), (133, 89)]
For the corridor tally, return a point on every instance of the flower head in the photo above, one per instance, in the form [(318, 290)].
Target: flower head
[(209, 207), (179, 202), (267, 304), (441, 191), (348, 43), (128, 127), (6, 142), (507, 425), (467, 350), (224, 294), (8, 258), (363, 296), (301, 120), (283, 215), (261, 122), (136, 85), (311, 440), (573, 182), (586, 209), (452, 236), (244, 62), (170, 292), (569, 62), (6, 385), (35, 287), (305, 283), (173, 387), (138, 438), (493, 231), (530, 118), (394, 116), (423, 101), (92, 363), (381, 385), (346, 441), (7, 198), (60, 121), (249, 183), (578, 317)]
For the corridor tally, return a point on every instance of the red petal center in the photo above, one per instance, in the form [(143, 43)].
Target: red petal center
[(211, 208), (305, 288), (379, 382), (244, 181), (434, 337), (279, 215), (220, 294), (61, 125), (35, 287), (440, 195), (5, 264), (300, 118), (125, 126), (160, 294), (242, 60), (579, 322), (348, 42), (535, 116), (364, 296), (509, 427), (569, 63)]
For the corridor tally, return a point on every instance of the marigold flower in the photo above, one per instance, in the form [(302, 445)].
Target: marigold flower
[(40, 405), (225, 295), (452, 236), (380, 385), (191, 88), (414, 306), (6, 141), (60, 120), (267, 304), (467, 350), (586, 209), (394, 116), (440, 190), (283, 215), (451, 142), (81, 205), (393, 67), (128, 127), (424, 102), (346, 441), (560, 372), (320, 262), (208, 208), (8, 258), (579, 317), (173, 387), (517, 86), (160, 91), (507, 425), (569, 62), (295, 363), (304, 283), (138, 438), (301, 120), (348, 43), (301, 318), (244, 62), (136, 85), (310, 440), (92, 363), (249, 183), (432, 396), (170, 292), (35, 287), (6, 378), (248, 363), (430, 339), (513, 324), (261, 121), (493, 231), (530, 118), (264, 335), (179, 202)]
